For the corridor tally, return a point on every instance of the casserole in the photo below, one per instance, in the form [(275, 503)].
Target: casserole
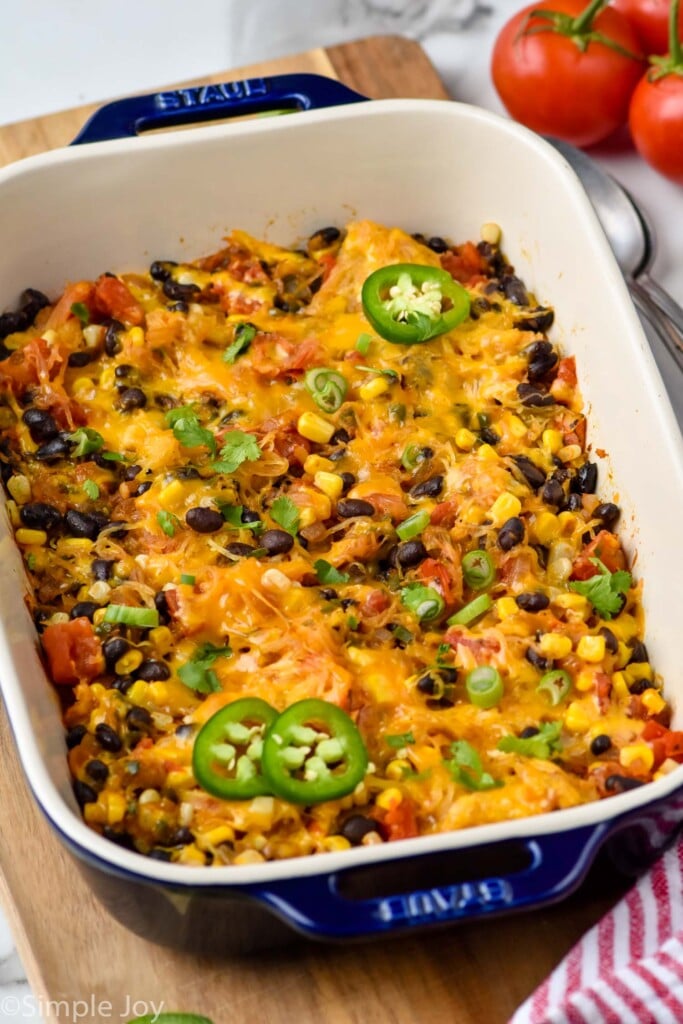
[(426, 166)]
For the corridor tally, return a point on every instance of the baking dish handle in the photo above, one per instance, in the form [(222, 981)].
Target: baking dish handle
[(128, 117), (316, 906)]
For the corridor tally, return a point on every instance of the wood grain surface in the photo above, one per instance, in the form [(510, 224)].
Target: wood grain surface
[(73, 951)]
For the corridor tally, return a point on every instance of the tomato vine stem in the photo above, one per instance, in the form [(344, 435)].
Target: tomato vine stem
[(579, 29)]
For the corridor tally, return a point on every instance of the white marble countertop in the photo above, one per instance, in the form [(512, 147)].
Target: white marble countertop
[(67, 53)]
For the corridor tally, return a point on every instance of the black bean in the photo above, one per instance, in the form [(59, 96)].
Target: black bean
[(600, 744), (31, 302), (608, 512), (153, 670), (428, 684), (620, 783), (534, 395), (586, 479), (102, 568), (411, 553), (489, 436), (428, 488), (185, 730), (181, 837), (347, 508), (514, 290), (528, 732), (114, 649), (180, 292), (249, 516), (123, 839), (541, 367), (38, 516), (276, 542), (640, 686), (511, 533), (638, 654), (139, 720), (84, 793), (83, 610), (573, 503), (534, 476), (41, 425), (112, 341), (348, 480), (85, 524), (75, 735), (204, 520), (239, 550), (347, 602), (82, 357), (533, 601), (328, 593), (340, 436), (324, 238), (337, 454), (123, 370), (122, 683), (141, 489), (537, 660), (539, 319), (107, 738), (160, 270), (129, 473), (56, 448), (611, 642), (553, 493), (97, 770), (356, 827), (161, 605), (132, 398), (156, 853), (437, 244)]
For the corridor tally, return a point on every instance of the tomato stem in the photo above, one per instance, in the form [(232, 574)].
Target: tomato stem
[(584, 22), (675, 46)]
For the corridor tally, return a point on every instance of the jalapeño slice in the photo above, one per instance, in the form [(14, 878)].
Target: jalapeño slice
[(226, 759), (408, 303)]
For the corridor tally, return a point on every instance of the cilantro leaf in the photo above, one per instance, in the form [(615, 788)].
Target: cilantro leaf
[(86, 440), (198, 674), (113, 457), (187, 429), (327, 573), (81, 311), (243, 337), (605, 590), (286, 514), (399, 739), (233, 515), (238, 448), (543, 744), (91, 489), (466, 768), (168, 522)]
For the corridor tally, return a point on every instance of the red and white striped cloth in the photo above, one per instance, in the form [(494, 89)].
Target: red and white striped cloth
[(628, 969)]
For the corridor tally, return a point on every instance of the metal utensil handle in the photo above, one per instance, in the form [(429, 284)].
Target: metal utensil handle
[(128, 117), (667, 304), (316, 907), (667, 331)]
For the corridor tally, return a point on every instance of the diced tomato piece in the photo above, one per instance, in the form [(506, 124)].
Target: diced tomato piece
[(464, 263), (375, 603), (566, 371), (399, 821), (432, 571), (391, 505), (73, 652), (444, 513), (603, 689), (328, 262), (78, 293), (112, 298), (607, 548)]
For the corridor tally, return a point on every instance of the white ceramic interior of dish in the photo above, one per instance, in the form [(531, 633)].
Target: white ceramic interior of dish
[(441, 168)]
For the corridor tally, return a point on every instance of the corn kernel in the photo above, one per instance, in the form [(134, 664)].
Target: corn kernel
[(316, 464), (569, 452), (397, 768), (138, 692), (96, 813), (75, 545), (360, 658), (666, 767), (546, 527), (128, 662), (28, 537), (653, 701), (591, 648), (639, 671), (571, 602), (58, 619), (82, 386), (98, 617), (373, 388), (516, 427), (552, 440), (179, 778), (465, 439), (275, 579), (99, 591), (50, 336), (136, 336), (504, 507), (389, 798), (20, 488), (487, 453), (93, 335), (295, 600), (158, 691), (307, 517), (585, 680), (314, 428), (161, 638), (249, 857), (172, 492), (335, 844), (576, 718), (149, 796), (555, 645), (330, 484), (218, 835), (190, 854), (620, 686), (490, 232), (474, 515), (107, 378), (116, 808), (637, 754), (506, 606)]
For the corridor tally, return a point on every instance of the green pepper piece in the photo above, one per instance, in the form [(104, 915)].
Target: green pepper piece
[(408, 303), (226, 759), (313, 752)]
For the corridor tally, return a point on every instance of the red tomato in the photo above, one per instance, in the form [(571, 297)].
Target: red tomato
[(550, 85), (73, 652), (656, 122), (650, 19), (113, 298)]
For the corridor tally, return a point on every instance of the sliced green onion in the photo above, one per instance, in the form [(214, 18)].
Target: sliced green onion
[(187, 579), (484, 686), (363, 343), (478, 569), (413, 525), (556, 684), (146, 618), (411, 456), (326, 387), (424, 602), (472, 611)]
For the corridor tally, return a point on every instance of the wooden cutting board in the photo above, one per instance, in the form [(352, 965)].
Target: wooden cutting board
[(72, 950)]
